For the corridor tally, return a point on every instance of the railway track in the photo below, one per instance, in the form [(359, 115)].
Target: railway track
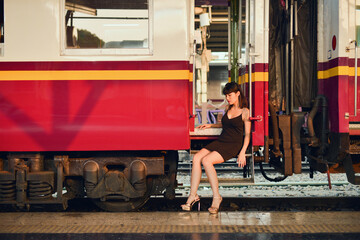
[(235, 199), (262, 204), (232, 184), (230, 204)]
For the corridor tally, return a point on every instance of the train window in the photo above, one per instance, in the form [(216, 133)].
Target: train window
[(107, 27), (1, 27)]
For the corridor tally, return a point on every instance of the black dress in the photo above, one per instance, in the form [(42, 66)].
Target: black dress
[(231, 138)]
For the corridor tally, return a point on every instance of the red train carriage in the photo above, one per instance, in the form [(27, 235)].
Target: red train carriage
[(95, 98), (312, 91)]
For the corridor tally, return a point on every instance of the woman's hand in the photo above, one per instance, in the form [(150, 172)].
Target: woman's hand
[(204, 126), (241, 159)]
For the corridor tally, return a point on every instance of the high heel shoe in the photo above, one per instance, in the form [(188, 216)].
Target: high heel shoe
[(215, 210), (188, 206)]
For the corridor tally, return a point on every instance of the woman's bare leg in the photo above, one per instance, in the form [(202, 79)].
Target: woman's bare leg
[(196, 172), (208, 162)]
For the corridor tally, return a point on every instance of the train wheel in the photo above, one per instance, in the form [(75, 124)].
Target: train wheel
[(132, 204)]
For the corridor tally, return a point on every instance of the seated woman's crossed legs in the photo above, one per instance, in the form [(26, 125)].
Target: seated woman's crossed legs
[(207, 159)]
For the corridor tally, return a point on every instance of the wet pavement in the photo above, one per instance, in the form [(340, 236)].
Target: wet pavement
[(181, 225)]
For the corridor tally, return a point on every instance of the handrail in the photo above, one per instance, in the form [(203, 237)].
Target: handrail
[(355, 82), (251, 55), (257, 118), (250, 84), (355, 87), (194, 80)]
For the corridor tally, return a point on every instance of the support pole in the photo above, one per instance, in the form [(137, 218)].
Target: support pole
[(234, 40)]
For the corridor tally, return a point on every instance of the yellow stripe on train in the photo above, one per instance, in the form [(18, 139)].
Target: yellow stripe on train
[(337, 71), (95, 75), (256, 77)]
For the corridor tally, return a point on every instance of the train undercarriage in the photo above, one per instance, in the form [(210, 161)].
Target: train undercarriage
[(305, 137), (114, 182)]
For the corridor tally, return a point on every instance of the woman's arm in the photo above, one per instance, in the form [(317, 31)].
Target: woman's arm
[(215, 125), (247, 123)]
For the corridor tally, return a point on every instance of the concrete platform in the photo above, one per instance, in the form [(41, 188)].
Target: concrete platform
[(180, 225)]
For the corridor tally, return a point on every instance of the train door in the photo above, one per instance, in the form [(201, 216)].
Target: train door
[(236, 29), (220, 57), (354, 92), (210, 68), (354, 87), (241, 63), (252, 63)]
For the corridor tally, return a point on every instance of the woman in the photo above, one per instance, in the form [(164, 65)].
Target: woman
[(231, 143)]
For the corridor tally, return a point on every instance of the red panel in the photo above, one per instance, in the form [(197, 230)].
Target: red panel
[(260, 94), (337, 90), (94, 115), (352, 94), (259, 100), (354, 132), (343, 103), (351, 98), (266, 109), (337, 101)]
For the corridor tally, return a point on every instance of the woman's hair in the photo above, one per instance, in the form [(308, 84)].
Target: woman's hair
[(234, 87)]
